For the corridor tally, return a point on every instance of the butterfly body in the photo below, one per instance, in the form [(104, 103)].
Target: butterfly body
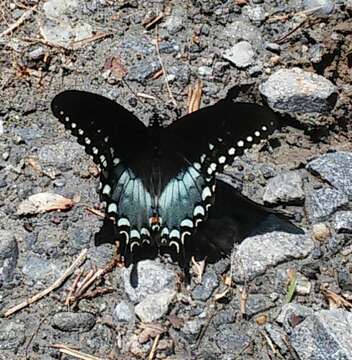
[(159, 182)]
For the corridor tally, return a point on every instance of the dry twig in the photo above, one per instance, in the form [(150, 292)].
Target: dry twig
[(163, 68), (77, 263), (153, 21), (75, 353), (194, 97), (155, 344), (18, 22)]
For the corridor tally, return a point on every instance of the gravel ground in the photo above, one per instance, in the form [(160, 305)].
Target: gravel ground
[(280, 293)]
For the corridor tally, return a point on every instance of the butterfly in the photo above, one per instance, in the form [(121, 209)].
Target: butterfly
[(160, 182)]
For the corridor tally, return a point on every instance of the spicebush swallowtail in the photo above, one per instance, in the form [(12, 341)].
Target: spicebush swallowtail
[(159, 182)]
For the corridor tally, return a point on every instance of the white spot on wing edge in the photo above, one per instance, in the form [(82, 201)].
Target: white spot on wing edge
[(123, 222), (174, 234), (199, 210), (135, 234), (112, 208), (187, 223), (206, 193), (176, 244), (107, 190), (240, 143)]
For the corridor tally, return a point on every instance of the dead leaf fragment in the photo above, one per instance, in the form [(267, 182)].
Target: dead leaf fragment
[(44, 202)]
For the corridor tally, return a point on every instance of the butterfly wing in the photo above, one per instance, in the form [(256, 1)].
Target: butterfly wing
[(115, 138), (218, 133)]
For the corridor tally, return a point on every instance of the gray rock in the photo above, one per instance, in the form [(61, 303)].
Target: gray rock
[(319, 7), (205, 71), (343, 222), (231, 339), (240, 54), (240, 30), (62, 153), (284, 188), (124, 312), (193, 326), (182, 73), (291, 310), (204, 290), (38, 269), (65, 34), (73, 322), (255, 254), (336, 168), (257, 303), (321, 203), (143, 70), (255, 13), (155, 306), (277, 335), (297, 90), (57, 8), (345, 280), (11, 335), (324, 335), (8, 256), (174, 24), (152, 278)]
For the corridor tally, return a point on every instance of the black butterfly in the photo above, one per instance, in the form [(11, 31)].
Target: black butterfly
[(159, 182)]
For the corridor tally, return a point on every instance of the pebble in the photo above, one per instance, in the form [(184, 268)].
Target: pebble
[(284, 188), (277, 335), (231, 339), (291, 311), (321, 203), (320, 8), (8, 256), (155, 306), (124, 313), (336, 169), (152, 278), (303, 285), (59, 154), (240, 30), (205, 71), (257, 253), (12, 335), (240, 54), (204, 290), (296, 90), (324, 335), (143, 70), (342, 222), (37, 269), (257, 303), (174, 24), (73, 321), (255, 13), (321, 232)]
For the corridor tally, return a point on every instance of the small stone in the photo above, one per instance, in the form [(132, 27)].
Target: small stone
[(36, 53), (240, 54), (255, 254), (12, 335), (62, 153), (8, 256), (272, 47), (257, 303), (321, 203), (343, 222), (231, 340), (284, 188), (321, 232), (152, 278), (277, 335), (240, 30), (291, 311), (336, 169), (5, 155), (296, 90), (124, 312), (303, 285), (319, 7), (193, 326), (73, 322), (205, 71), (255, 13), (143, 70), (345, 280), (324, 335), (155, 306), (204, 290), (174, 24)]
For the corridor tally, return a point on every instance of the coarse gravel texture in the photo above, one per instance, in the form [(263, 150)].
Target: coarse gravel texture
[(296, 56)]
